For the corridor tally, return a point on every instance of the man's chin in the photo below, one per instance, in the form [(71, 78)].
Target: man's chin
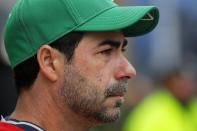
[(108, 116)]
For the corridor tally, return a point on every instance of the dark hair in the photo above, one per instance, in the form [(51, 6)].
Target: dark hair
[(26, 72)]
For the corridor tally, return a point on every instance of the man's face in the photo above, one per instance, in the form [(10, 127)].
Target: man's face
[(96, 80)]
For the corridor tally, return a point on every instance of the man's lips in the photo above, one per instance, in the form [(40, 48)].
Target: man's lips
[(117, 90), (120, 94)]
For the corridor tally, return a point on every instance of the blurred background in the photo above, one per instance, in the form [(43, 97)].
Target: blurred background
[(168, 50)]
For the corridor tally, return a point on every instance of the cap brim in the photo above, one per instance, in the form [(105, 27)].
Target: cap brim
[(132, 20)]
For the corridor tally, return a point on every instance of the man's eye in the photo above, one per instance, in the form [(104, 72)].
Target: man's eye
[(106, 52)]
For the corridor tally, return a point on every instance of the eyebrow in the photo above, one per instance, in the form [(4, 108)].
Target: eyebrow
[(113, 43)]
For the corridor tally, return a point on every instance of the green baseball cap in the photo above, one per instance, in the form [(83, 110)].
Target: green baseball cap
[(33, 23)]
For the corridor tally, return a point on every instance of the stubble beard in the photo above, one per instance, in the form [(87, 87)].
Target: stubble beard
[(86, 99)]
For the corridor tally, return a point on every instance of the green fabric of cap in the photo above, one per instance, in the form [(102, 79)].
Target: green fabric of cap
[(33, 23)]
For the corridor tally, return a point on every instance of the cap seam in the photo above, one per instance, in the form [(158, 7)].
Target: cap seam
[(75, 12), (117, 16), (120, 22), (117, 23), (23, 24), (71, 10), (134, 17), (90, 18), (72, 29), (16, 61)]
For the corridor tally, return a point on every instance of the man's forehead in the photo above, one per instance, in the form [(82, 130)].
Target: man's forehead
[(93, 40), (114, 35)]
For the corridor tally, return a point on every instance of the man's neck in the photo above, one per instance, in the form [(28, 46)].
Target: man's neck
[(45, 112)]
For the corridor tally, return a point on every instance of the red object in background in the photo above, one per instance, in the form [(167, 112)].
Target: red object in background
[(8, 127)]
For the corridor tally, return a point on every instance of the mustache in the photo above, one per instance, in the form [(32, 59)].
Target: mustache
[(116, 89)]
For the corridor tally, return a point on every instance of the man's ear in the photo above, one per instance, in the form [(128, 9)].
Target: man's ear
[(47, 60)]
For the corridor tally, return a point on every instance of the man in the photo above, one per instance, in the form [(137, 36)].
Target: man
[(68, 62)]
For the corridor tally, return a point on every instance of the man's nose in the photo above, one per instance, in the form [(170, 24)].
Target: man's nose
[(124, 70)]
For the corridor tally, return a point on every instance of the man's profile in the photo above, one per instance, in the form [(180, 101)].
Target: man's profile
[(67, 56)]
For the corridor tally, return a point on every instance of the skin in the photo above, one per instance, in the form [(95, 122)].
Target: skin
[(81, 94)]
